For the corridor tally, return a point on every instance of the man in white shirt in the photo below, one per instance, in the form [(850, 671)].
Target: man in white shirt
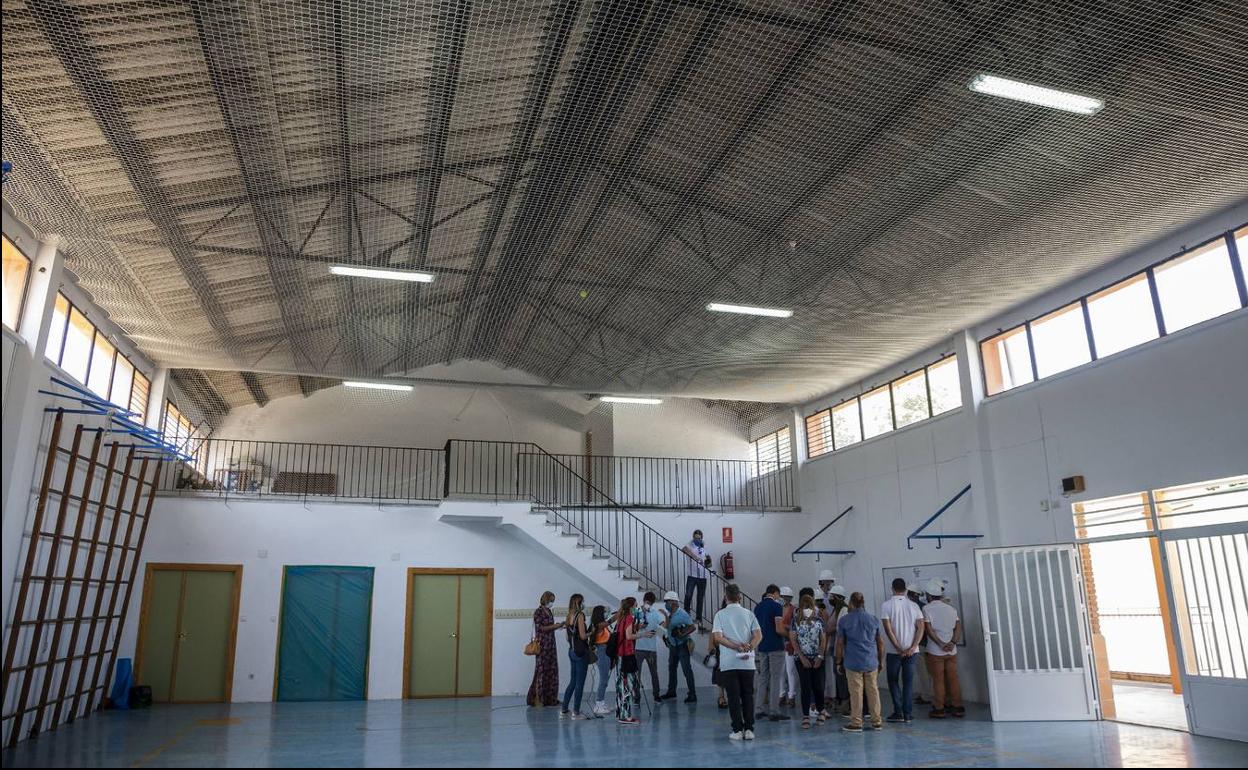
[(699, 561), (944, 629), (737, 634), (903, 629)]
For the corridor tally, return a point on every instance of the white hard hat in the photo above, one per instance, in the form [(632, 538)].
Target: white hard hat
[(935, 587), (827, 575), (786, 591), (671, 596), (913, 588), (838, 590), (818, 595)]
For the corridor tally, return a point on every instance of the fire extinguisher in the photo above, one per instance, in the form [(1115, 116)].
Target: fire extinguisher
[(725, 566)]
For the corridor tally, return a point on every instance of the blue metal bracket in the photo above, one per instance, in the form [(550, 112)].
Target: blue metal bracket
[(916, 535), (118, 419), (801, 549)]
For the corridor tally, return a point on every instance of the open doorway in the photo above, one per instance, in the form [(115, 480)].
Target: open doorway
[(1133, 647)]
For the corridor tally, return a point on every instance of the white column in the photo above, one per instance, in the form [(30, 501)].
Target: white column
[(156, 396), (979, 449), (45, 281)]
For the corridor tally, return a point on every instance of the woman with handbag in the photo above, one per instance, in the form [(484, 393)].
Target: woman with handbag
[(578, 654), (545, 688), (600, 633)]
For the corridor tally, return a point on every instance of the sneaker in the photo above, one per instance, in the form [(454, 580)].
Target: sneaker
[(896, 718), (579, 717), (761, 715), (959, 712), (937, 714), (600, 709), (564, 714), (633, 721), (877, 725), (851, 728), (736, 736), (780, 718), (909, 718), (666, 696), (749, 735)]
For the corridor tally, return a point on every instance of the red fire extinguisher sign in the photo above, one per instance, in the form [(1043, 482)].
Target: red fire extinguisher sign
[(727, 534)]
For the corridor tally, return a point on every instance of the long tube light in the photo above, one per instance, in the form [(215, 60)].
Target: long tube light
[(379, 386), (374, 272), (1006, 88), (630, 400), (772, 312)]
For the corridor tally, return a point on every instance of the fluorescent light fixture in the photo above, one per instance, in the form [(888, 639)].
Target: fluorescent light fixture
[(374, 272), (630, 400), (772, 312), (1032, 94), (379, 386)]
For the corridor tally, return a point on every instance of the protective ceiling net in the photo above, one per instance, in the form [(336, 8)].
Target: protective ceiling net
[(583, 177)]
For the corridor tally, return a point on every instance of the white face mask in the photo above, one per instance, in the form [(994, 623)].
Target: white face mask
[(808, 612)]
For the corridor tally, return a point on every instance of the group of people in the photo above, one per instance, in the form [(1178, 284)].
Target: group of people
[(821, 649), (831, 650), (624, 641)]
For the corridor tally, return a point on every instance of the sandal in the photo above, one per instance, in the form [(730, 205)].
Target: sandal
[(723, 704), (822, 718), (805, 723)]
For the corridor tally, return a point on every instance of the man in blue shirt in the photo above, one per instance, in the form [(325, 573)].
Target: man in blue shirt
[(859, 650), (770, 654), (651, 626), (680, 628)]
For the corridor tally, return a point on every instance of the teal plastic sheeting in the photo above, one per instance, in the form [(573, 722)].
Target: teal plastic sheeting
[(326, 617)]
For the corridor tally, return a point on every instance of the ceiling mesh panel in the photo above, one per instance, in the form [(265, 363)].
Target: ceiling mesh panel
[(583, 177)]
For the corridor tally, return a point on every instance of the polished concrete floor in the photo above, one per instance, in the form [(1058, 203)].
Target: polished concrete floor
[(503, 732), (1145, 703)]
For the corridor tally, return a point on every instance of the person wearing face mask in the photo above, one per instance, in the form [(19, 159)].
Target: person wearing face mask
[(544, 691), (652, 620), (810, 643), (789, 686), (680, 628), (835, 685), (699, 564)]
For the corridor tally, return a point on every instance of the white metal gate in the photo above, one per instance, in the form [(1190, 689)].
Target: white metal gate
[(1035, 639)]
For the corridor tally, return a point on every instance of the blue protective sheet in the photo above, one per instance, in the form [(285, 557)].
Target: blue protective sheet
[(326, 617)]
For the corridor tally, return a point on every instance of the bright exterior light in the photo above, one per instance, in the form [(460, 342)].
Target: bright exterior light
[(772, 312), (379, 386), (630, 400), (1033, 94), (373, 272)]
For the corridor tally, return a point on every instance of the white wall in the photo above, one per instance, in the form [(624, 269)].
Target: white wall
[(680, 428)]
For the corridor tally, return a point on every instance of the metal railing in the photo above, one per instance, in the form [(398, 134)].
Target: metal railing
[(233, 467), (510, 470), (677, 482)]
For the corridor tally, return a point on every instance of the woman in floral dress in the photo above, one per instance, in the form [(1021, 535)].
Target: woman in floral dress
[(545, 688)]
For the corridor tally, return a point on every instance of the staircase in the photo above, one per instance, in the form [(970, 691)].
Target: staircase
[(596, 536)]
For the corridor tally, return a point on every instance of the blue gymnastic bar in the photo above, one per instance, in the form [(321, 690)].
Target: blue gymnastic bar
[(940, 538), (800, 551)]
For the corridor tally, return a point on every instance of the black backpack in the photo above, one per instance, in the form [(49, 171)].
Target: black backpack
[(613, 647)]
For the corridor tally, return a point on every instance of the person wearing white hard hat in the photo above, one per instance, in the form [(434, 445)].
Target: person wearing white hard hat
[(836, 685), (679, 626), (826, 581), (944, 629), (903, 628), (789, 689), (922, 682)]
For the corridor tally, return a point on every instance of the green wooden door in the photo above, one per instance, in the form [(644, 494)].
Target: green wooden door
[(433, 654), (471, 636), (188, 635), (160, 640), (448, 636), (201, 672)]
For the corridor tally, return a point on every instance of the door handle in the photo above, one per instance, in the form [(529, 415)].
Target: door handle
[(454, 636)]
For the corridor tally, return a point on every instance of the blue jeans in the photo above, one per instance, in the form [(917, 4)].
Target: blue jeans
[(903, 691), (604, 674), (580, 668)]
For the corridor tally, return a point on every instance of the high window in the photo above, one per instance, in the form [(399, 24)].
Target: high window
[(85, 354), (16, 274), (773, 450)]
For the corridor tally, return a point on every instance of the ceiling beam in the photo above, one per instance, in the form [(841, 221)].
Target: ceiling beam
[(252, 382), (196, 386), (62, 27), (540, 84)]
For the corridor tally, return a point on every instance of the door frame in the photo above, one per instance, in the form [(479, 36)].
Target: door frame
[(153, 567), (281, 619), (488, 574)]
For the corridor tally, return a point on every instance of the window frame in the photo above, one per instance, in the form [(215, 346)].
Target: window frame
[(1149, 272), (24, 294), (774, 436), (137, 373)]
